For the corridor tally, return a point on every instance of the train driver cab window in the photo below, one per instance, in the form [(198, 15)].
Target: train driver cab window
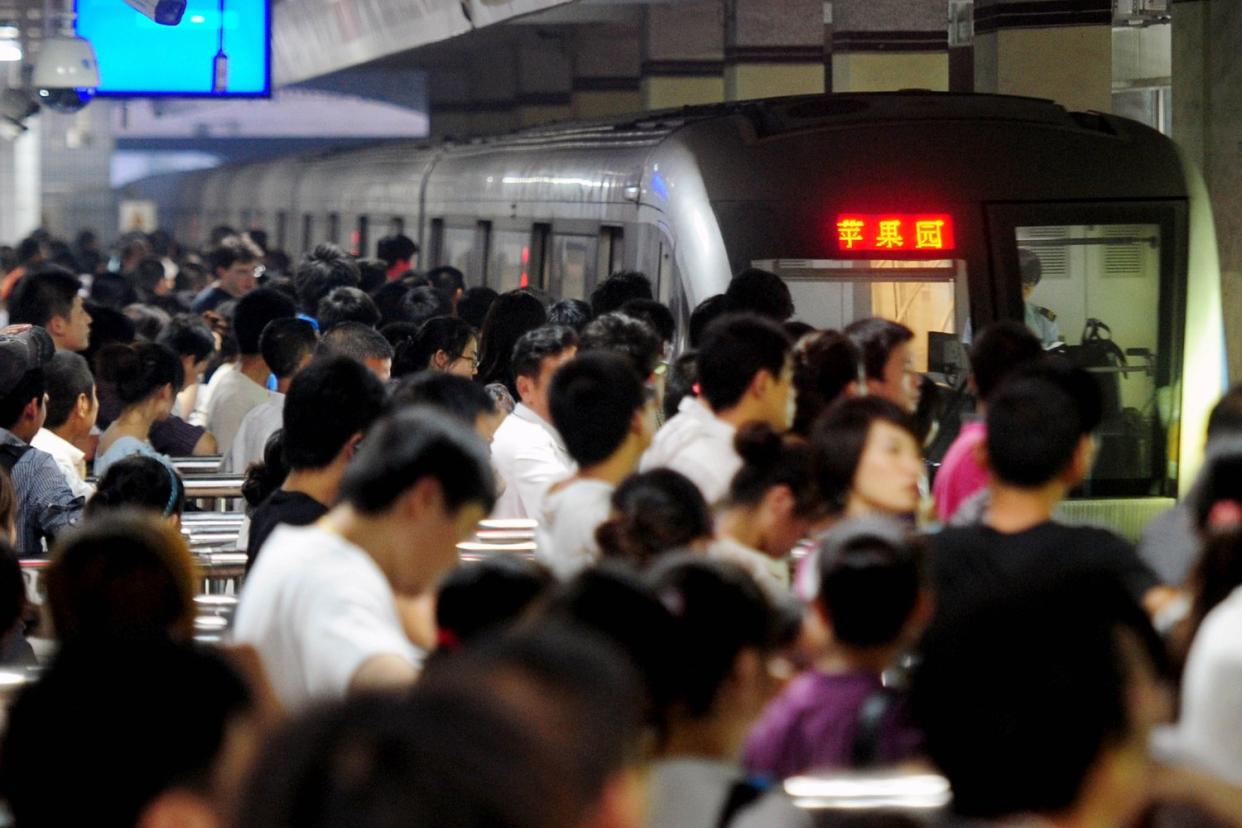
[(572, 266), (508, 266)]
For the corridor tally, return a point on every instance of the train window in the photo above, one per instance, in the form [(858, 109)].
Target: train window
[(611, 250), (360, 239), (456, 248), (308, 232), (508, 264), (572, 265), (538, 266), (334, 228), (282, 229)]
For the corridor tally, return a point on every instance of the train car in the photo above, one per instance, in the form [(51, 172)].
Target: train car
[(917, 207)]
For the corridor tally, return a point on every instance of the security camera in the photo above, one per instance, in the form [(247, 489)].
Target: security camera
[(66, 73), (15, 108), (164, 12)]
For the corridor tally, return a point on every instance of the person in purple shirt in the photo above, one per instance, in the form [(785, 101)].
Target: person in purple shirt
[(839, 714)]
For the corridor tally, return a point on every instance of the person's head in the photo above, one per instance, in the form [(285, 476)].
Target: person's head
[(474, 305), (1030, 271), (743, 363), (619, 288), (324, 269), (253, 313), (347, 304), (443, 343), (827, 366), (572, 313), (145, 374), (372, 274), (397, 251), (454, 395), (450, 281), (330, 404), (999, 349), (51, 298), (683, 375), (139, 482), (180, 768), (632, 338), (149, 320), (704, 314), (536, 357), (1041, 696), (656, 314), (1225, 421), (123, 575), (388, 299), (149, 279), (1039, 426), (1218, 571), (422, 303), (653, 513), (287, 345), (23, 358), (72, 404), (510, 316), (775, 487), (191, 340), (1216, 500), (219, 233), (887, 359), (235, 263), (867, 458), (361, 343), (600, 408), (758, 291), (427, 475), (485, 597)]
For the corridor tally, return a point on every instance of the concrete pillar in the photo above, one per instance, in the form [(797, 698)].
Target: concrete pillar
[(1046, 49), (607, 71), (544, 79), (884, 45), (1207, 119), (20, 190), (683, 54), (773, 48)]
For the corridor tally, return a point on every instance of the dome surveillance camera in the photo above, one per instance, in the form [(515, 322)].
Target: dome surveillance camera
[(164, 12), (66, 73)]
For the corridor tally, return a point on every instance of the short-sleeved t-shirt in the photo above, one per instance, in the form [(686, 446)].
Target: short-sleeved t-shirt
[(316, 608), (973, 561), (571, 516)]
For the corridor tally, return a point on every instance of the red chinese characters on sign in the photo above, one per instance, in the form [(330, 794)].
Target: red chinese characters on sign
[(908, 232)]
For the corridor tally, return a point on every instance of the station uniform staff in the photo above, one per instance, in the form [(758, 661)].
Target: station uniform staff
[(1039, 319)]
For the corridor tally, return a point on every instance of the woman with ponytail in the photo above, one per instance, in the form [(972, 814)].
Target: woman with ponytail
[(443, 343), (147, 377), (653, 513)]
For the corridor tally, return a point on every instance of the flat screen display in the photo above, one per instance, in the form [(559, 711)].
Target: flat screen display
[(209, 53)]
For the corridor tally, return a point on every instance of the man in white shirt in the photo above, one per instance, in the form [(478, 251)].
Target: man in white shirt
[(324, 604), (526, 451), (287, 346), (606, 418), (246, 386), (745, 375), (71, 411)]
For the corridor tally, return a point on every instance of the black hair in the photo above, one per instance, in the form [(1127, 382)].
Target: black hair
[(632, 338), (474, 304), (719, 612), (397, 333), (1218, 572), (610, 294), (510, 316), (1226, 417), (48, 291), (486, 596), (875, 339), (653, 513), (1030, 268), (704, 314), (734, 349), (12, 584), (1018, 702), (395, 248), (825, 364), (534, 346), (422, 303), (138, 481), (263, 478), (1219, 481), (870, 575), (456, 396), (372, 274), (440, 333), (683, 375), (108, 326), (324, 268), (388, 299), (347, 304), (796, 330), (572, 313), (219, 233), (654, 313), (446, 279), (770, 460), (839, 436), (355, 340), (329, 401), (759, 291), (146, 277), (254, 311), (136, 372), (31, 386), (149, 320), (1035, 420), (140, 703), (411, 445), (67, 377), (1000, 348), (592, 401), (230, 250), (284, 343)]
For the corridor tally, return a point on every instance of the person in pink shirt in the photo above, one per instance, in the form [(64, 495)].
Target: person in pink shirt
[(998, 349)]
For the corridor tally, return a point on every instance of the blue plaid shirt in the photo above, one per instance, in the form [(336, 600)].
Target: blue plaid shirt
[(45, 504)]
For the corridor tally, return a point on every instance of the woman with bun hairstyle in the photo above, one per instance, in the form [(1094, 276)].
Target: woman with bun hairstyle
[(147, 377), (653, 513), (772, 504), (443, 343)]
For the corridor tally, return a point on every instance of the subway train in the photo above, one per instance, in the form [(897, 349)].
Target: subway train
[(913, 206)]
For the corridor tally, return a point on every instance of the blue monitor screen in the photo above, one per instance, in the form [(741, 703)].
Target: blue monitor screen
[(139, 57)]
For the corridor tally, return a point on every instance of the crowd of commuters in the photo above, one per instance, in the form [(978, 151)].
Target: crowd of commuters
[(741, 575)]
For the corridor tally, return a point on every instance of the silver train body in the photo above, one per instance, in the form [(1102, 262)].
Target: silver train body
[(1120, 222)]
